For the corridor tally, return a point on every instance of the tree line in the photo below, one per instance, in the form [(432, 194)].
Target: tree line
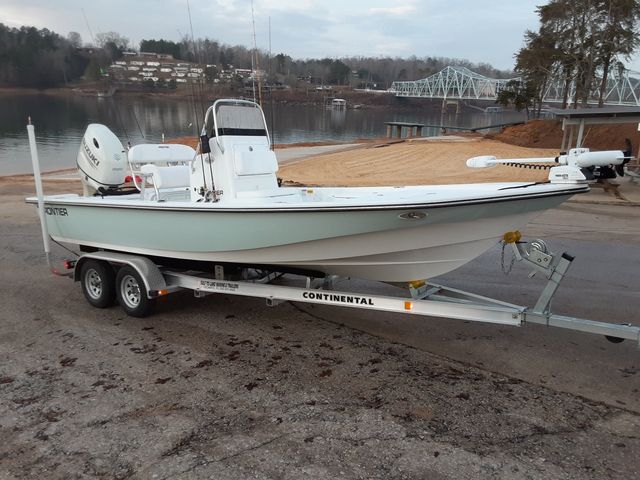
[(582, 42), (41, 58), (282, 68), (31, 57)]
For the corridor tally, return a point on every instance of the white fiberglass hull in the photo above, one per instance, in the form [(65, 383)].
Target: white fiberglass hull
[(393, 243)]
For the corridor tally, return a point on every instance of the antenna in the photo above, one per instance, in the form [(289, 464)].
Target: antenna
[(273, 129), (198, 60), (253, 78), (195, 111), (88, 27), (255, 52)]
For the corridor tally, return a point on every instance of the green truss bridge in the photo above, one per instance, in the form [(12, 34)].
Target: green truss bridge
[(460, 83)]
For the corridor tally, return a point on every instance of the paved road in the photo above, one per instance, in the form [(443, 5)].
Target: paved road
[(223, 387)]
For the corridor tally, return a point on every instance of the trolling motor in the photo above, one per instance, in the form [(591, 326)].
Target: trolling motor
[(573, 166)]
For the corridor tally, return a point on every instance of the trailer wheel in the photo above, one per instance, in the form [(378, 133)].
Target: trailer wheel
[(98, 284), (131, 293)]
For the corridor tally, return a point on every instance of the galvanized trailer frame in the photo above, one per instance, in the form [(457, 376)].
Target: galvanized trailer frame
[(424, 299)]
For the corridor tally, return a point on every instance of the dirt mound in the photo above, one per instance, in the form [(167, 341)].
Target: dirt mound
[(548, 134)]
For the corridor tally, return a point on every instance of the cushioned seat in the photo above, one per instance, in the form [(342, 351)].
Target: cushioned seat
[(160, 153), (167, 177)]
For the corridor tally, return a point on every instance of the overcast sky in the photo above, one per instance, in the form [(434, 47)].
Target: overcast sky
[(478, 30)]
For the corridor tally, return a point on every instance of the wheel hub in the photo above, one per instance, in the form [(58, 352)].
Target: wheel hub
[(93, 282), (130, 291)]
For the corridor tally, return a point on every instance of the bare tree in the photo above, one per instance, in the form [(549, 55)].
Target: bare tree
[(104, 38), (74, 39)]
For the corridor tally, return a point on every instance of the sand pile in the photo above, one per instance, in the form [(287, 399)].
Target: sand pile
[(413, 163)]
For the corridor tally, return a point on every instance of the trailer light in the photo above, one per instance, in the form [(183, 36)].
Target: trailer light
[(157, 293), (408, 305), (69, 264)]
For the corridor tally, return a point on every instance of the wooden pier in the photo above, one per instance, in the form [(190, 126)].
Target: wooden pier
[(395, 129), (444, 128)]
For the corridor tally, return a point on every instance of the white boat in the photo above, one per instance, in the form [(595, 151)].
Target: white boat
[(225, 206), (339, 103)]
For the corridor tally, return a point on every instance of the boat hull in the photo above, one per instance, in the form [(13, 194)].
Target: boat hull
[(393, 244)]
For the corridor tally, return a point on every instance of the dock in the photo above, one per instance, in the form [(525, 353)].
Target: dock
[(395, 129), (444, 128)]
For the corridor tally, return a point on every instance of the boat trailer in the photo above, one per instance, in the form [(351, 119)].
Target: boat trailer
[(136, 282)]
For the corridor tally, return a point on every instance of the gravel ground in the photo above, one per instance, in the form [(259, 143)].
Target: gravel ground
[(226, 388)]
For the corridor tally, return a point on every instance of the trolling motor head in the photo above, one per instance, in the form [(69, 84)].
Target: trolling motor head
[(584, 158), (570, 164)]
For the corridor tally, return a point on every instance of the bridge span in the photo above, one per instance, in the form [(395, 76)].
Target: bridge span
[(460, 83)]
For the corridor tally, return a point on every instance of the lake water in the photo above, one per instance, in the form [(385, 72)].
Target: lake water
[(60, 122)]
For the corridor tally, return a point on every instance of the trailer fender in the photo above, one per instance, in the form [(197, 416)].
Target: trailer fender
[(151, 275)]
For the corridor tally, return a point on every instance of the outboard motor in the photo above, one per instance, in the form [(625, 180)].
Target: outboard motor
[(102, 161)]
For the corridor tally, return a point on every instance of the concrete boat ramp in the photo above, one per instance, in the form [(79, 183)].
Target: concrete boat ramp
[(226, 388)]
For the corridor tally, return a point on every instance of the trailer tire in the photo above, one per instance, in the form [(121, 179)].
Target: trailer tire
[(98, 283), (131, 293)]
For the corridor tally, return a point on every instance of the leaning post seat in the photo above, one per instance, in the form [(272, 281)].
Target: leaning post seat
[(168, 153), (165, 165)]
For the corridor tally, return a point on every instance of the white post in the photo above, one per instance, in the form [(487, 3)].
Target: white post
[(38, 180), (564, 136), (580, 134)]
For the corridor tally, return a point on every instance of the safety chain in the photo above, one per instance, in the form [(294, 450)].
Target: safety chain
[(506, 270)]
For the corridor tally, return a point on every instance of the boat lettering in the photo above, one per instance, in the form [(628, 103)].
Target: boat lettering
[(92, 157), (218, 285), (62, 212), (332, 297)]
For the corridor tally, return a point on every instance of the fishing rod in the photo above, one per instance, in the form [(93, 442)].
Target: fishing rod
[(272, 114), (255, 52), (198, 59)]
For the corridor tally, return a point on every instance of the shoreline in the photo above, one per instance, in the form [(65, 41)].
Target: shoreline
[(298, 96), (185, 140)]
